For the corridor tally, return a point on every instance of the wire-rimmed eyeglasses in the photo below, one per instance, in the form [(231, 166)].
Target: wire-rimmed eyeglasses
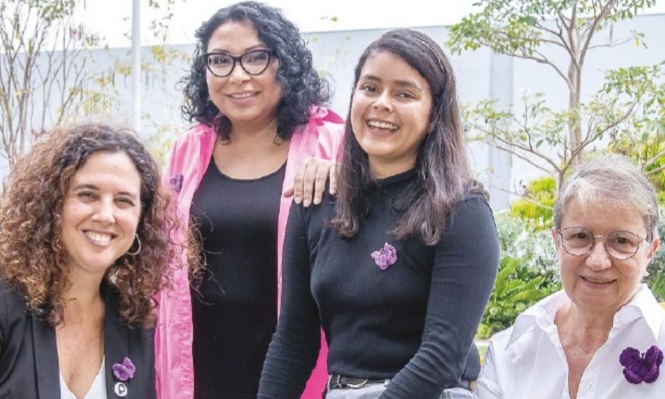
[(253, 62), (620, 245)]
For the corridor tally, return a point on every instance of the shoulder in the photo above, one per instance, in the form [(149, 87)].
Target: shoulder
[(321, 137), (13, 312), (471, 214), (10, 299), (325, 124), (326, 117), (475, 200), (194, 137), (530, 324)]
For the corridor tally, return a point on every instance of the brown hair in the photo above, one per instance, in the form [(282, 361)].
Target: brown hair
[(31, 250)]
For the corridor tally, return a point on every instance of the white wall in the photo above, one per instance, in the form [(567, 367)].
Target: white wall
[(480, 74)]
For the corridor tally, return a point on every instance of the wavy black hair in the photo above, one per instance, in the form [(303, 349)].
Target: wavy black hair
[(444, 175), (302, 87)]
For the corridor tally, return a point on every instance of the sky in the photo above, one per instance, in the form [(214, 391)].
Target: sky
[(112, 19)]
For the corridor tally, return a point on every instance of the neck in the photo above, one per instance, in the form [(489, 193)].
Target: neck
[(581, 328), (255, 131), (83, 289), (382, 170)]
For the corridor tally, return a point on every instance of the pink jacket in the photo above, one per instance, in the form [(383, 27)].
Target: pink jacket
[(189, 159)]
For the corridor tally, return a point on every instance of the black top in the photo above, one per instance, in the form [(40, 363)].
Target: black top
[(234, 311), (413, 319)]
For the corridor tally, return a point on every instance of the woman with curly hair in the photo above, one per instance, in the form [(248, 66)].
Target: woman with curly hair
[(257, 101), (85, 231)]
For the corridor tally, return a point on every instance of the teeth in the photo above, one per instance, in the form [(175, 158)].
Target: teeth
[(382, 125), (101, 238), (597, 281), (240, 96)]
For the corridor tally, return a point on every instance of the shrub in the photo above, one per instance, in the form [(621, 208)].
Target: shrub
[(527, 273), (537, 202)]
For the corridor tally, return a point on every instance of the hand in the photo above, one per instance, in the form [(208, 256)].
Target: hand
[(310, 181)]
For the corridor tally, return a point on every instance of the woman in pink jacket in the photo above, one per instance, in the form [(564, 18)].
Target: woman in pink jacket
[(257, 99)]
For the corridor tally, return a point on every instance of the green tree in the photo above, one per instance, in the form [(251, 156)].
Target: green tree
[(42, 69), (553, 140), (47, 71)]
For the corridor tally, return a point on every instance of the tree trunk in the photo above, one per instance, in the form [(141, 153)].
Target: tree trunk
[(574, 125)]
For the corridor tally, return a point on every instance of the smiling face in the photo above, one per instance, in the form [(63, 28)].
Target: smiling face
[(597, 282), (101, 212), (390, 113), (243, 98)]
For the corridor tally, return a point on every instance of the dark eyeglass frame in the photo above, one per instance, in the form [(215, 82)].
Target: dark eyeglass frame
[(596, 236), (237, 60)]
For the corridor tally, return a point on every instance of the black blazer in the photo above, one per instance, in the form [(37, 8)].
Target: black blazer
[(29, 356)]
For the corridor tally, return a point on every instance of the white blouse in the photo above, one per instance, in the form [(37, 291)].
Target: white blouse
[(527, 360), (97, 389)]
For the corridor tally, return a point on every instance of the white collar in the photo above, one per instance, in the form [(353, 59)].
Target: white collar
[(643, 305)]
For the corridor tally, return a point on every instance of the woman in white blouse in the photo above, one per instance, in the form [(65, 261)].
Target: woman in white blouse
[(602, 336)]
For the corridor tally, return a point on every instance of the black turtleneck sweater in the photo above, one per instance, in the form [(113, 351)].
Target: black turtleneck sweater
[(412, 321)]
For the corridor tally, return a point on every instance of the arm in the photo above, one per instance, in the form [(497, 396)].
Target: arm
[(295, 345), (488, 382), (465, 266)]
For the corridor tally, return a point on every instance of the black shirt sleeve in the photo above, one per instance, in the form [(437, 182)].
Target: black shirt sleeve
[(465, 268), (295, 346)]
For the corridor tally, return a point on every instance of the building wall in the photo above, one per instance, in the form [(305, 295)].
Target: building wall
[(480, 74)]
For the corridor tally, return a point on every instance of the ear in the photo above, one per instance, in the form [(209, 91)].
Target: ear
[(652, 249), (554, 234)]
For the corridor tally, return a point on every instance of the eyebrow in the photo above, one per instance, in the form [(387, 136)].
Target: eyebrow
[(88, 186), (398, 82), (259, 46)]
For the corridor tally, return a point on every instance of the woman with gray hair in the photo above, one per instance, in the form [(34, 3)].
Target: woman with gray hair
[(602, 336)]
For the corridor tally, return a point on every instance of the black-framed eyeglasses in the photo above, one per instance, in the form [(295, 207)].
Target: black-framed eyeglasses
[(620, 245), (253, 62)]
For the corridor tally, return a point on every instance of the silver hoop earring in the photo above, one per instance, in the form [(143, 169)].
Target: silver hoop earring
[(138, 249)]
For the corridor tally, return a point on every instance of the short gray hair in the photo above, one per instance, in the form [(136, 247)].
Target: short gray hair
[(611, 179)]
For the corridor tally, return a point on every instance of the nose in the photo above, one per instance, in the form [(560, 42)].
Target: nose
[(598, 258), (104, 213), (238, 73), (383, 102)]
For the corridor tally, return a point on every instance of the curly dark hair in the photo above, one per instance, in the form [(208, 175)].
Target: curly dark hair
[(32, 254), (444, 175), (302, 87)]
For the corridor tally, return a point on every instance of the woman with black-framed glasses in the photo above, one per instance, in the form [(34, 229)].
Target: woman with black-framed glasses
[(257, 101), (603, 335)]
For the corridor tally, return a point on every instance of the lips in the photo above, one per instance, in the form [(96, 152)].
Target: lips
[(598, 281), (383, 125)]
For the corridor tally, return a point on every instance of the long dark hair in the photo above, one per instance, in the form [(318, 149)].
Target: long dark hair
[(443, 173), (302, 87)]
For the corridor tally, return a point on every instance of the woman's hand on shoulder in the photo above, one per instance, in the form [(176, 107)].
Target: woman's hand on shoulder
[(310, 181)]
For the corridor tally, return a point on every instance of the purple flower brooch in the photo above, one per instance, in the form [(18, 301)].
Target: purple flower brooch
[(176, 182), (385, 257), (639, 367), (123, 372)]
